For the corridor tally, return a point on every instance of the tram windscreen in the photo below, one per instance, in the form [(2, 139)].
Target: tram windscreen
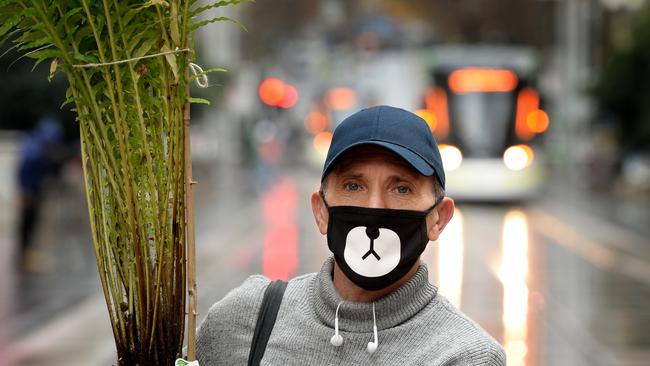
[(481, 121)]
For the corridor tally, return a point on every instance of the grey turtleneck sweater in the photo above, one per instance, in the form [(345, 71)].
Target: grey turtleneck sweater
[(416, 326)]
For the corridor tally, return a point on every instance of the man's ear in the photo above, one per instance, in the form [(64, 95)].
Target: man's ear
[(320, 212), (439, 218)]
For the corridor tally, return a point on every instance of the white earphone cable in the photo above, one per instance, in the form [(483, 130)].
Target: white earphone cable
[(372, 346), (336, 339)]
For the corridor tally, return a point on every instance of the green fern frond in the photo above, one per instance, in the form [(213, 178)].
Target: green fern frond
[(130, 119)]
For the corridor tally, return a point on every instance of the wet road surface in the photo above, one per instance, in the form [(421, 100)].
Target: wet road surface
[(556, 281)]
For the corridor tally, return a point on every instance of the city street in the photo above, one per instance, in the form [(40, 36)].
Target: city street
[(533, 116), (564, 280)]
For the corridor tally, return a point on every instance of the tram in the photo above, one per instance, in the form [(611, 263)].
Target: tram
[(485, 111)]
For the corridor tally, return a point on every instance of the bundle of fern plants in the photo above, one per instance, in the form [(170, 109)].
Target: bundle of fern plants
[(127, 63)]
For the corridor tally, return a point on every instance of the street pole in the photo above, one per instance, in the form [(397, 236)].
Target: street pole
[(572, 29)]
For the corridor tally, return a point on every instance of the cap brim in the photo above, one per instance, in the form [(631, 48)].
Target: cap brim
[(417, 162)]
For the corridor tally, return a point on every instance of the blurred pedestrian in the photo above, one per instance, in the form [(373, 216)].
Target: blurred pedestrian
[(38, 159), (381, 201)]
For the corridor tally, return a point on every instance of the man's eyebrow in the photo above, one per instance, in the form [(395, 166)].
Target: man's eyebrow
[(351, 175), (400, 177), (405, 172)]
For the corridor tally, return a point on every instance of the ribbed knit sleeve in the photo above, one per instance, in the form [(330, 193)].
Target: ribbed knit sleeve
[(226, 332), (479, 353)]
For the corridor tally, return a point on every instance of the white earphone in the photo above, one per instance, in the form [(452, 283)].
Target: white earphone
[(336, 339), (372, 346)]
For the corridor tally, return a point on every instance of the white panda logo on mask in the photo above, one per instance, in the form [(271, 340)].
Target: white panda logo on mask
[(372, 252)]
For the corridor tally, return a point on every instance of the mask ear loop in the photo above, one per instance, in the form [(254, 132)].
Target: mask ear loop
[(428, 211), (322, 196)]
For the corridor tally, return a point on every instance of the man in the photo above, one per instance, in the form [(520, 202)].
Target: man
[(41, 156), (381, 201)]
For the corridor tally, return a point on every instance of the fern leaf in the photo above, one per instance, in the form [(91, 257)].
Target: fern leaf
[(200, 24), (218, 4), (198, 100)]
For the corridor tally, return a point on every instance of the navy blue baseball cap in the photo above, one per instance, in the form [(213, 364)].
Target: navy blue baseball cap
[(395, 129)]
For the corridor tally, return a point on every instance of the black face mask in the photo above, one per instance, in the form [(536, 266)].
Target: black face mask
[(375, 247)]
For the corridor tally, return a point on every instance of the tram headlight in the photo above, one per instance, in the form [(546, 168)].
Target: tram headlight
[(518, 157), (451, 157)]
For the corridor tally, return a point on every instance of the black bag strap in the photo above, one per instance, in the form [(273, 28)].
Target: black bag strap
[(266, 320)]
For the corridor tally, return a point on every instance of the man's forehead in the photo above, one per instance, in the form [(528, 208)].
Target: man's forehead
[(366, 154)]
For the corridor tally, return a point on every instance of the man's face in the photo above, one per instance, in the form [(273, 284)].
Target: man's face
[(371, 176)]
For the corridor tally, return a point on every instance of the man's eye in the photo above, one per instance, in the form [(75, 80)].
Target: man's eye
[(351, 186), (403, 189)]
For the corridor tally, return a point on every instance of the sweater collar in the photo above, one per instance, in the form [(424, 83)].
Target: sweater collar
[(392, 310)]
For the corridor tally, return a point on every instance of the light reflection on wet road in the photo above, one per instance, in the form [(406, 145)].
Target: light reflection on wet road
[(550, 291)]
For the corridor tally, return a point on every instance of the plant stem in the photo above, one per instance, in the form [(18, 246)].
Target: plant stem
[(93, 229), (191, 256), (124, 159)]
